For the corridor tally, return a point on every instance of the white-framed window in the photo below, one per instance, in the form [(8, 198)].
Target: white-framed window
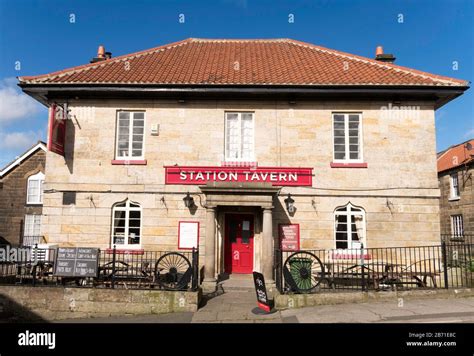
[(347, 134), (454, 184), (457, 226), (130, 142), (34, 193), (32, 227), (349, 227), (239, 136), (127, 224)]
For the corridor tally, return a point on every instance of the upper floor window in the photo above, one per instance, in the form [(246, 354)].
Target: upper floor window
[(454, 183), (347, 137), (349, 227), (239, 136), (126, 230), (130, 135), (34, 193)]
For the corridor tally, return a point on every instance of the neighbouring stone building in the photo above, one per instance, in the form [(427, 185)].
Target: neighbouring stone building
[(232, 145), (21, 197), (455, 171)]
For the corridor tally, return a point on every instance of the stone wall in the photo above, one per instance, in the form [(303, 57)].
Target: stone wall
[(398, 191), (13, 205), (464, 205), (56, 303)]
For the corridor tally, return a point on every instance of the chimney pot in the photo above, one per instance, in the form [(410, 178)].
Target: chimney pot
[(101, 52), (383, 57)]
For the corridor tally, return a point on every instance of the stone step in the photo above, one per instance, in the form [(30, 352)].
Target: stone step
[(237, 283)]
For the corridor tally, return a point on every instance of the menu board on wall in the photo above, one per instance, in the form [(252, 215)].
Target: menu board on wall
[(290, 237), (188, 235)]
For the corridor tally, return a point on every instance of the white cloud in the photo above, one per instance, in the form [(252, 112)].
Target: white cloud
[(19, 141), (15, 105)]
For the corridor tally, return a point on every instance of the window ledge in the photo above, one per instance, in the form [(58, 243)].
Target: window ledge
[(126, 251), (124, 162), (348, 165), (454, 198)]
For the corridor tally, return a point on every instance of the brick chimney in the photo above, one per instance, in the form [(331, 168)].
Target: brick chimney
[(382, 57), (101, 55)]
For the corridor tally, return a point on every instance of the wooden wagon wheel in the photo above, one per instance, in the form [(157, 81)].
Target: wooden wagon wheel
[(173, 271), (303, 272)]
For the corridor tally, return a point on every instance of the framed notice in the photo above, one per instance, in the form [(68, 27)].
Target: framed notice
[(289, 237), (188, 235)]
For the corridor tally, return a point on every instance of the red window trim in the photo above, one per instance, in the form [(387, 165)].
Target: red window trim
[(125, 251), (348, 165), (124, 162)]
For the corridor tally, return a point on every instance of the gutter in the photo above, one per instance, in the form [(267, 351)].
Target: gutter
[(45, 92)]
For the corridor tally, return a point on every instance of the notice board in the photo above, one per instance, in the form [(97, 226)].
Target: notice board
[(289, 237), (188, 235), (76, 262)]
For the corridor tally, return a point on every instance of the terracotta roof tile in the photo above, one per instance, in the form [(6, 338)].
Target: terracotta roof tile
[(455, 156), (242, 62)]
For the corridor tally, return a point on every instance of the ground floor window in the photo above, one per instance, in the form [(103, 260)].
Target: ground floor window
[(349, 227), (32, 229), (457, 226), (126, 230)]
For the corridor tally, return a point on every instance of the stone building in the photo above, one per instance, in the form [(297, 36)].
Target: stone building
[(238, 143), (21, 197), (455, 171)]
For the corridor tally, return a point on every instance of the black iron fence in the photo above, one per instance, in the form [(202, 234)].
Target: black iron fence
[(168, 270), (449, 265)]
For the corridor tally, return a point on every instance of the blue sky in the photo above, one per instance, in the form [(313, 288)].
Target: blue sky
[(39, 35)]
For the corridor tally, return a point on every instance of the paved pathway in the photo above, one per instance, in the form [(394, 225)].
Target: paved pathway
[(236, 307), (233, 307)]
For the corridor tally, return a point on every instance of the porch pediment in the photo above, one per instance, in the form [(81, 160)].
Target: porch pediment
[(239, 194)]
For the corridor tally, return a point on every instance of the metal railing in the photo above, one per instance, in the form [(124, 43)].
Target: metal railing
[(169, 270), (448, 265)]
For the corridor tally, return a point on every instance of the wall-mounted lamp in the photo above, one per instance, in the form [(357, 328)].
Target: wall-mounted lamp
[(290, 204), (188, 201)]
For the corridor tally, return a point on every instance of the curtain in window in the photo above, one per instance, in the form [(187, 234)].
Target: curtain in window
[(232, 134), (247, 136)]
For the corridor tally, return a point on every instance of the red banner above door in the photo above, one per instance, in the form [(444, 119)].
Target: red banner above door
[(278, 176)]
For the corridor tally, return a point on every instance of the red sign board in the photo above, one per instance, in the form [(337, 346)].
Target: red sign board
[(289, 237), (278, 176), (57, 129)]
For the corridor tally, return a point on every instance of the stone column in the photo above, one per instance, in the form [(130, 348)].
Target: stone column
[(267, 247), (209, 283)]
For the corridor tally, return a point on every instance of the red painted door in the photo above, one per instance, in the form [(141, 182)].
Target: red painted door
[(239, 243)]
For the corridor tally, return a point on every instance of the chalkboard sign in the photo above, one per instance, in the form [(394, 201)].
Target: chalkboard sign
[(261, 290), (76, 262)]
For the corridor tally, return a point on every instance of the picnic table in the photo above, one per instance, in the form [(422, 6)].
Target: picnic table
[(124, 272), (378, 275)]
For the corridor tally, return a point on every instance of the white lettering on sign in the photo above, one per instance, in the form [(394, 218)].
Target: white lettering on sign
[(234, 176), (236, 255)]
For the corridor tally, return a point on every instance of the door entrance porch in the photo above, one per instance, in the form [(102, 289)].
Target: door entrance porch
[(230, 243)]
